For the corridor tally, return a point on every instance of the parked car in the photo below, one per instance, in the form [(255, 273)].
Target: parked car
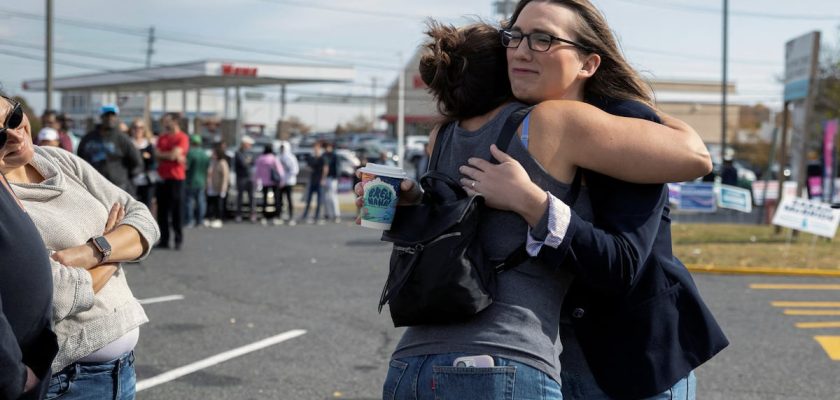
[(415, 148)]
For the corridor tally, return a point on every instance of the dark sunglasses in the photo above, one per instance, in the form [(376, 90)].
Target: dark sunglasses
[(13, 120)]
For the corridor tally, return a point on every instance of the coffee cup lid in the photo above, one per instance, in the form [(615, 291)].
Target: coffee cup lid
[(384, 170)]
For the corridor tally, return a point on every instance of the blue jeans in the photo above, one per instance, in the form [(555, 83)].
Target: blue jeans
[(434, 377), (317, 190), (196, 207), (95, 381)]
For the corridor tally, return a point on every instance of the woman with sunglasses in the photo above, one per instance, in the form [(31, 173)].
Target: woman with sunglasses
[(27, 343), (91, 226)]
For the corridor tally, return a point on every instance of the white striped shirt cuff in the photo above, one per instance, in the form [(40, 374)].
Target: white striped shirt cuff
[(559, 218)]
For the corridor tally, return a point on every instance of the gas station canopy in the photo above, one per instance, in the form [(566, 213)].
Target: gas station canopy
[(200, 74)]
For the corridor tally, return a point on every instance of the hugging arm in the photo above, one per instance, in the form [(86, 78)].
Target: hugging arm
[(639, 150)]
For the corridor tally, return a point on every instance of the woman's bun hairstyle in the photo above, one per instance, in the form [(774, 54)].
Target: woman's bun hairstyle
[(465, 69)]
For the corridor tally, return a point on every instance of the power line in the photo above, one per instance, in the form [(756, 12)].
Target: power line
[(748, 14), (82, 53), (695, 57), (356, 11), (180, 38)]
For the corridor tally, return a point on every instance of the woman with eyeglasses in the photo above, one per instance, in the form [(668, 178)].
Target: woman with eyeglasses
[(145, 181), (27, 342), (561, 54), (91, 227)]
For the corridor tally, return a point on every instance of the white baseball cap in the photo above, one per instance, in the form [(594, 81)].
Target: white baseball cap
[(47, 134)]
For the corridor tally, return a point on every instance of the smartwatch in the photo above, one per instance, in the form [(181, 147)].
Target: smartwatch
[(102, 246)]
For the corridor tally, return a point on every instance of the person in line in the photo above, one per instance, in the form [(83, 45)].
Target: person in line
[(51, 119), (197, 164), (145, 181), (517, 329), (317, 180), (218, 180), (48, 137), (423, 162), (728, 172), (269, 173), (172, 148), (28, 344), (243, 164), (291, 168), (332, 211), (91, 226), (110, 151)]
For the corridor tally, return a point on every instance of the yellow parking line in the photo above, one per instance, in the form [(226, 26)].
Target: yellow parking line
[(805, 304), (794, 286), (812, 312), (831, 345), (818, 325)]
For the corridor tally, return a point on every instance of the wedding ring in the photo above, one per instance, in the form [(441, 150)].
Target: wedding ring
[(472, 185)]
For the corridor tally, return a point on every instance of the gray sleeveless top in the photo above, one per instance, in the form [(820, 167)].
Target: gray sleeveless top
[(523, 323)]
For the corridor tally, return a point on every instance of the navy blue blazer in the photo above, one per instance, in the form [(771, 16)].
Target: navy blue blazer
[(635, 309)]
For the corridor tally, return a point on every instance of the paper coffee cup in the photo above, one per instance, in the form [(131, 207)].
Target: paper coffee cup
[(381, 193)]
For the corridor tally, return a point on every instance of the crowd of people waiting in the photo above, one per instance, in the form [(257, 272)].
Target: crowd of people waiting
[(186, 184)]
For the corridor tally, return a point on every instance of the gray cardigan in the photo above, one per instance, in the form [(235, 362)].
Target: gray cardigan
[(69, 207)]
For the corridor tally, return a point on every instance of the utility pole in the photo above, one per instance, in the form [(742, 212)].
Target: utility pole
[(724, 84), (49, 47), (150, 47), (373, 104), (401, 114), (149, 51)]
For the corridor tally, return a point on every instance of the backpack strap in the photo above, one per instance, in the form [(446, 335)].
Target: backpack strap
[(441, 134), (509, 129)]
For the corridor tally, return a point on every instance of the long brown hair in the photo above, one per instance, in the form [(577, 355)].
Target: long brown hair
[(615, 78)]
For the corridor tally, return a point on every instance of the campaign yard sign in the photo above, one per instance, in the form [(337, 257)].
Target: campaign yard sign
[(808, 216), (699, 197), (735, 198)]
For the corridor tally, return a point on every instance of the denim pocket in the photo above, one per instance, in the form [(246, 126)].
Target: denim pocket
[(492, 383), (59, 386), (396, 370)]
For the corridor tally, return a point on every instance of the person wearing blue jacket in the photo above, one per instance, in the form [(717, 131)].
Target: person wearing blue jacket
[(633, 324), (561, 55)]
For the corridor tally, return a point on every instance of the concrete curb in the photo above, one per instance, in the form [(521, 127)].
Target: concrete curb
[(724, 270)]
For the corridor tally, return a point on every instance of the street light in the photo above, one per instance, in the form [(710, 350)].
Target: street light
[(725, 77)]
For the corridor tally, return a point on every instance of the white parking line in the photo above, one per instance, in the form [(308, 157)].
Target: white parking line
[(161, 299), (217, 359)]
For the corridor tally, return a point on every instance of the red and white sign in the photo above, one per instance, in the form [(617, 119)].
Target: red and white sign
[(234, 70), (772, 191)]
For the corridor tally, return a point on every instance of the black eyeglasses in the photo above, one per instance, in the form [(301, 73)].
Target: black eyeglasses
[(13, 120), (537, 41)]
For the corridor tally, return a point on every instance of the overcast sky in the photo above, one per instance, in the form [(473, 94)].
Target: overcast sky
[(663, 38)]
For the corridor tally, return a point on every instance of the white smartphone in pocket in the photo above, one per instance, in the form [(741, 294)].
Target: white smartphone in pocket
[(482, 361)]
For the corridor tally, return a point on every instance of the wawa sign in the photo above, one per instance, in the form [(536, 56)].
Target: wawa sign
[(233, 70)]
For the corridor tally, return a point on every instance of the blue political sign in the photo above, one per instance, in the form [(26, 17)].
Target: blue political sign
[(698, 197), (735, 198)]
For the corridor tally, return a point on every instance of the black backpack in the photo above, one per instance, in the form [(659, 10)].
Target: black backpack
[(438, 271)]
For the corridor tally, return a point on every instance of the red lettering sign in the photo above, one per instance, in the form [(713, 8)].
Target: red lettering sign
[(230, 69)]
